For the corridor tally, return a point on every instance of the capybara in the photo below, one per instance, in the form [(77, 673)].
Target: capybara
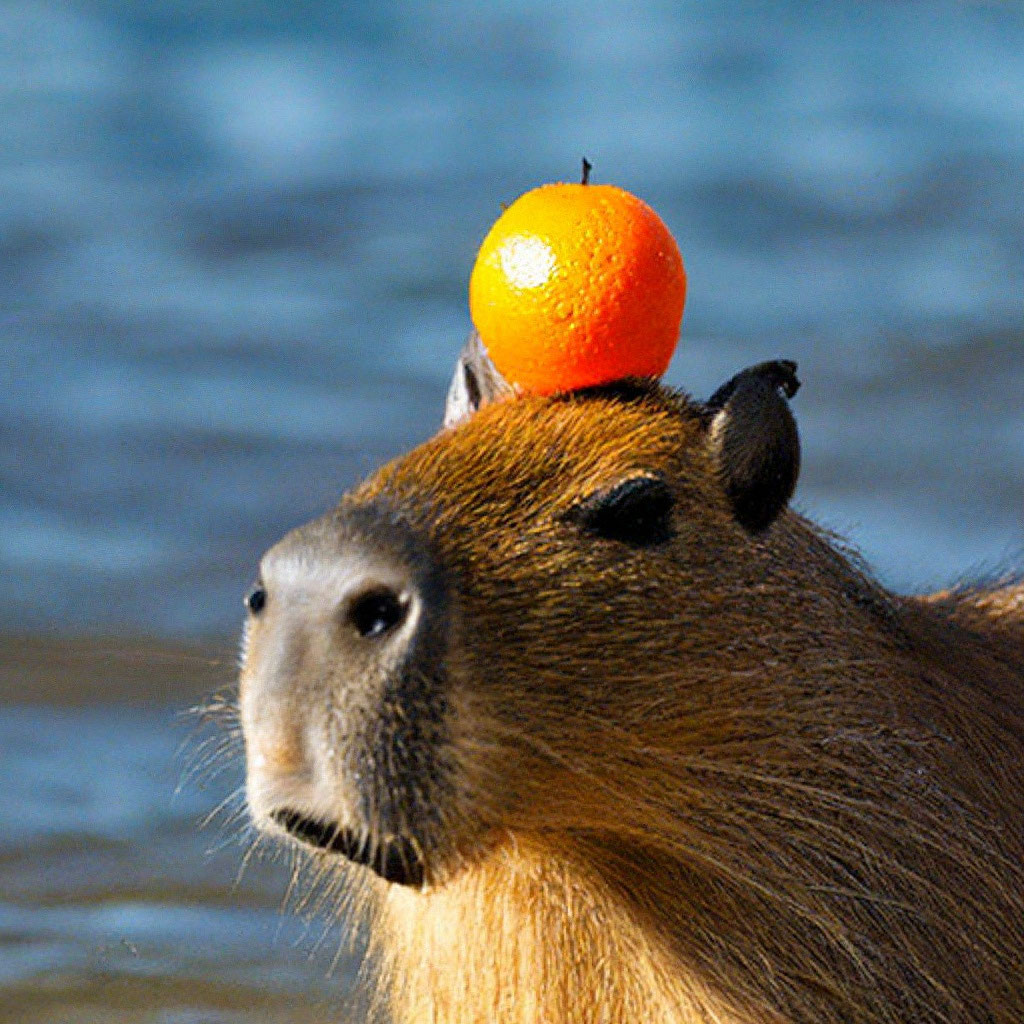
[(603, 732)]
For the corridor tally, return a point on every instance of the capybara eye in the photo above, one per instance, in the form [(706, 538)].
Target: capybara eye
[(378, 611), (636, 512), (256, 599)]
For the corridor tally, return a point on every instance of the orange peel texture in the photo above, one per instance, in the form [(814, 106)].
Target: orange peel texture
[(576, 286)]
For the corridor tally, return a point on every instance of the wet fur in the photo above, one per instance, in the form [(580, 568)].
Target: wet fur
[(728, 779)]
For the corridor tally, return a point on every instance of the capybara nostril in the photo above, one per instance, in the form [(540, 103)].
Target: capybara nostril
[(377, 611), (256, 599)]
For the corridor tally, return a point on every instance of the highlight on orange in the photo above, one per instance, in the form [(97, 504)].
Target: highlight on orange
[(576, 286)]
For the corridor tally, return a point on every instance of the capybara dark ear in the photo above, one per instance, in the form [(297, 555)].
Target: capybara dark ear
[(755, 441), (474, 383)]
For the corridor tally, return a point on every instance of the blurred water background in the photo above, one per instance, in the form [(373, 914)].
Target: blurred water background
[(235, 240)]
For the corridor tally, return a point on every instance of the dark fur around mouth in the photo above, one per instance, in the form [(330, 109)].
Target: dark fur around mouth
[(395, 860)]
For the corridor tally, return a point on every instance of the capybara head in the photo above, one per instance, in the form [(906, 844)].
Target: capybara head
[(480, 640)]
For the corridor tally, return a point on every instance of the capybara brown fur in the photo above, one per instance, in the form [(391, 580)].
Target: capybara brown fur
[(604, 732)]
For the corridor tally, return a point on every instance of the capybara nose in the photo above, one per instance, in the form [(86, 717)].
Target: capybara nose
[(344, 687)]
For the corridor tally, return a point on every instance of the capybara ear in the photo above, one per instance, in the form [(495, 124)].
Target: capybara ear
[(755, 441), (474, 383)]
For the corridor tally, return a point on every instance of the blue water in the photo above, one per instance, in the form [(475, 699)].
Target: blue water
[(235, 242), (117, 906)]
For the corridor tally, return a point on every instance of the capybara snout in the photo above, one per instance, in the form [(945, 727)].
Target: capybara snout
[(343, 692)]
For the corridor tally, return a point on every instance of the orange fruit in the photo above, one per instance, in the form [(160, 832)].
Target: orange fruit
[(575, 286)]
